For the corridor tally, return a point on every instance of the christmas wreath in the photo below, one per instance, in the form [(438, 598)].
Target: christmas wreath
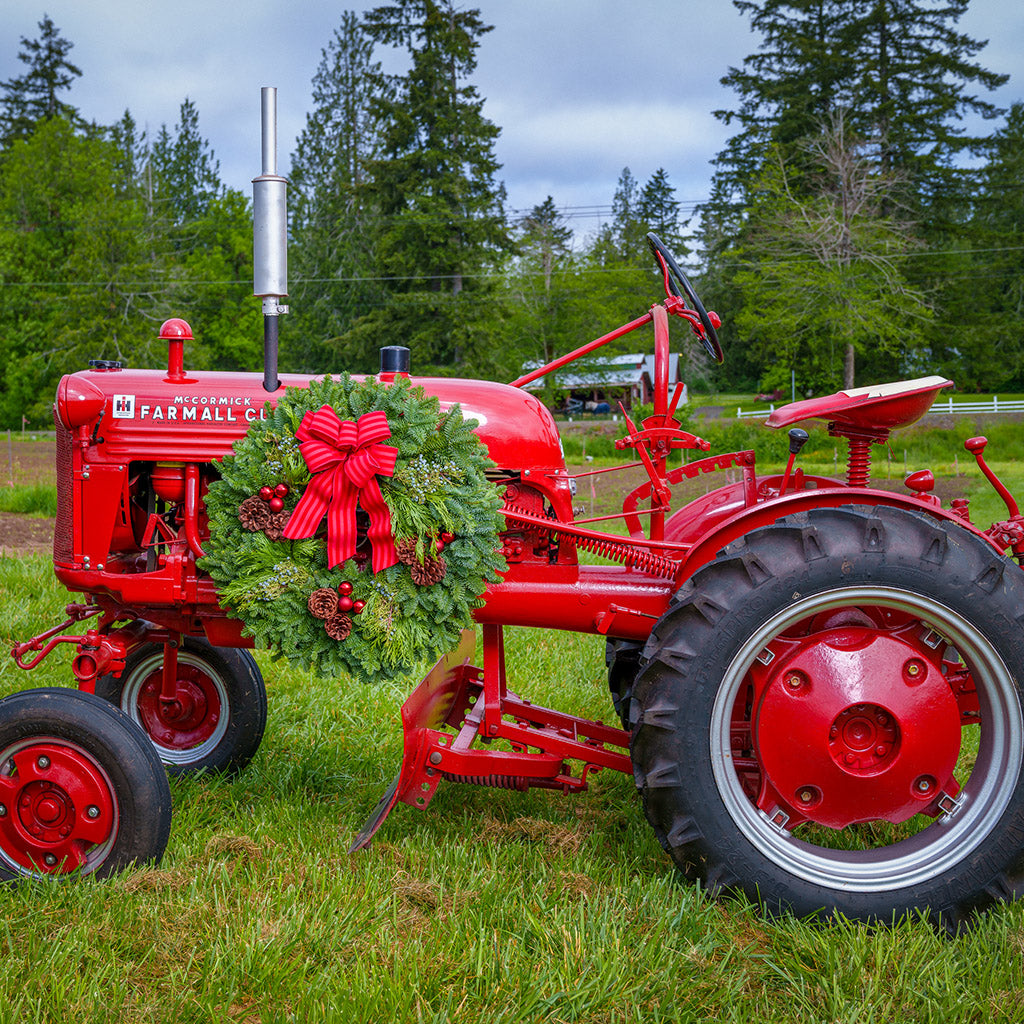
[(354, 530)]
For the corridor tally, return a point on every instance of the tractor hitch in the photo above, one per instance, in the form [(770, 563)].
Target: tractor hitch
[(456, 704)]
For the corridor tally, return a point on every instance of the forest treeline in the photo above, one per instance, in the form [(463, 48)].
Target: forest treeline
[(859, 226)]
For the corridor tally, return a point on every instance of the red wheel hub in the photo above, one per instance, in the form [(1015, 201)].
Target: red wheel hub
[(856, 724), (55, 806), (188, 720)]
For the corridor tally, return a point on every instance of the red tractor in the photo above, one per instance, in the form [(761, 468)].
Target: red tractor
[(819, 681)]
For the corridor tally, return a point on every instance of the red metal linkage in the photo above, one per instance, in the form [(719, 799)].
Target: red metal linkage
[(456, 705)]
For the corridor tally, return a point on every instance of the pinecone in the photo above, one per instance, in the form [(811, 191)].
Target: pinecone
[(432, 571), (338, 626), (323, 603), (254, 513), (274, 530), (406, 550)]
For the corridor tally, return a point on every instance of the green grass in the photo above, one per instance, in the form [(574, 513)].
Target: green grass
[(489, 906), (29, 499)]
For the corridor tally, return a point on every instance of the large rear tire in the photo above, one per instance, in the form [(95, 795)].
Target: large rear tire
[(218, 719), (829, 719), (81, 787), (622, 659)]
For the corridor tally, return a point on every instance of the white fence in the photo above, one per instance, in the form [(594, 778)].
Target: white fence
[(942, 407)]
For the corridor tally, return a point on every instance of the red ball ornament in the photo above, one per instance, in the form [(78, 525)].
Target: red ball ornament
[(358, 606), (345, 603), (266, 493), (439, 545), (345, 588), (281, 490), (447, 537), (276, 504)]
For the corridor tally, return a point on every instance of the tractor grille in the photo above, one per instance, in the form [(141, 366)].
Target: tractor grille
[(62, 533)]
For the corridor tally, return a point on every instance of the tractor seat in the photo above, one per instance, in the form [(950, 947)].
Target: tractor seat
[(874, 409)]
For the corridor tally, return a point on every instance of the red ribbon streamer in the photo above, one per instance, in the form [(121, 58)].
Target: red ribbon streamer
[(345, 458)]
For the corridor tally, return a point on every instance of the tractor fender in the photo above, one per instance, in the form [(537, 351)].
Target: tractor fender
[(765, 513)]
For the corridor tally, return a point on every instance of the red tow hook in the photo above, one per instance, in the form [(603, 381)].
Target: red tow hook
[(76, 613), (99, 652)]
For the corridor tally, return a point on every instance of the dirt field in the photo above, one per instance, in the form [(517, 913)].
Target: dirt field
[(25, 462)]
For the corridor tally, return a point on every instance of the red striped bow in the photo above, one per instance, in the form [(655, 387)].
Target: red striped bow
[(345, 458)]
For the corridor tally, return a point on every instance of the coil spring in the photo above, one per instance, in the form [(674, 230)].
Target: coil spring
[(629, 556), (494, 781), (626, 554), (858, 462)]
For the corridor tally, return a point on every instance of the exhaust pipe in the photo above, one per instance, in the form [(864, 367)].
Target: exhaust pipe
[(270, 239)]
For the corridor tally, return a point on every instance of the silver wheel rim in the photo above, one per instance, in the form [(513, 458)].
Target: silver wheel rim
[(936, 849), (132, 690)]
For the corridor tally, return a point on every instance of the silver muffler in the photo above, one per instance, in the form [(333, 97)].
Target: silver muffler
[(270, 239)]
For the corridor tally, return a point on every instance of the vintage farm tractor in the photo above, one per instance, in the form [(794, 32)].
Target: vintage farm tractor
[(819, 681)]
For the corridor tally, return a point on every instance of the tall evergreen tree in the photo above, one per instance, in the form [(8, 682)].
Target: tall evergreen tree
[(434, 185), (910, 89), (333, 219), (185, 172), (982, 277), (436, 178), (900, 74), (785, 90), (898, 68), (544, 239), (658, 210), (36, 95)]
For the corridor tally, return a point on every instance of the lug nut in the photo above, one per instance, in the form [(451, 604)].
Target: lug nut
[(43, 762), (913, 669), (50, 860), (92, 811), (3, 810)]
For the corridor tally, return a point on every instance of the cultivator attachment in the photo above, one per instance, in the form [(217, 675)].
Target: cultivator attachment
[(458, 704)]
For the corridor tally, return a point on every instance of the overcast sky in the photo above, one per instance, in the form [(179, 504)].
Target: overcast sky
[(580, 88)]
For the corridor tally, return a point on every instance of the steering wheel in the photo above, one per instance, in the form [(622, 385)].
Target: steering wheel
[(678, 285)]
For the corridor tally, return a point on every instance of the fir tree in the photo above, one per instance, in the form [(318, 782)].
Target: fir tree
[(910, 90), (545, 238), (185, 172), (36, 95), (436, 179), (658, 211), (897, 68), (333, 221), (443, 221)]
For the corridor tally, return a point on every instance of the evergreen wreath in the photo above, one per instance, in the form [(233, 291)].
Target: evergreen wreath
[(385, 622)]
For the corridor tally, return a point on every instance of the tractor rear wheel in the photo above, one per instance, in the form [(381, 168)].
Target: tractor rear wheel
[(81, 787), (622, 659), (829, 719), (217, 719)]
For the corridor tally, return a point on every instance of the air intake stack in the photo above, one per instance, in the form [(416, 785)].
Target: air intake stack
[(270, 239)]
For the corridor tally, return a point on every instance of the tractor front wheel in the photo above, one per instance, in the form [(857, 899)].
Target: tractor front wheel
[(81, 788), (215, 721), (829, 719)]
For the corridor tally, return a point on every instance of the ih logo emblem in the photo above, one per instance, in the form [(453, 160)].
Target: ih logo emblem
[(124, 407)]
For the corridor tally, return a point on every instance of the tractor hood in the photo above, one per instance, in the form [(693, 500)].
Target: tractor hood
[(197, 417)]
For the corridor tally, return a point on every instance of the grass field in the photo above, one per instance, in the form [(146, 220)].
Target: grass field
[(490, 906)]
